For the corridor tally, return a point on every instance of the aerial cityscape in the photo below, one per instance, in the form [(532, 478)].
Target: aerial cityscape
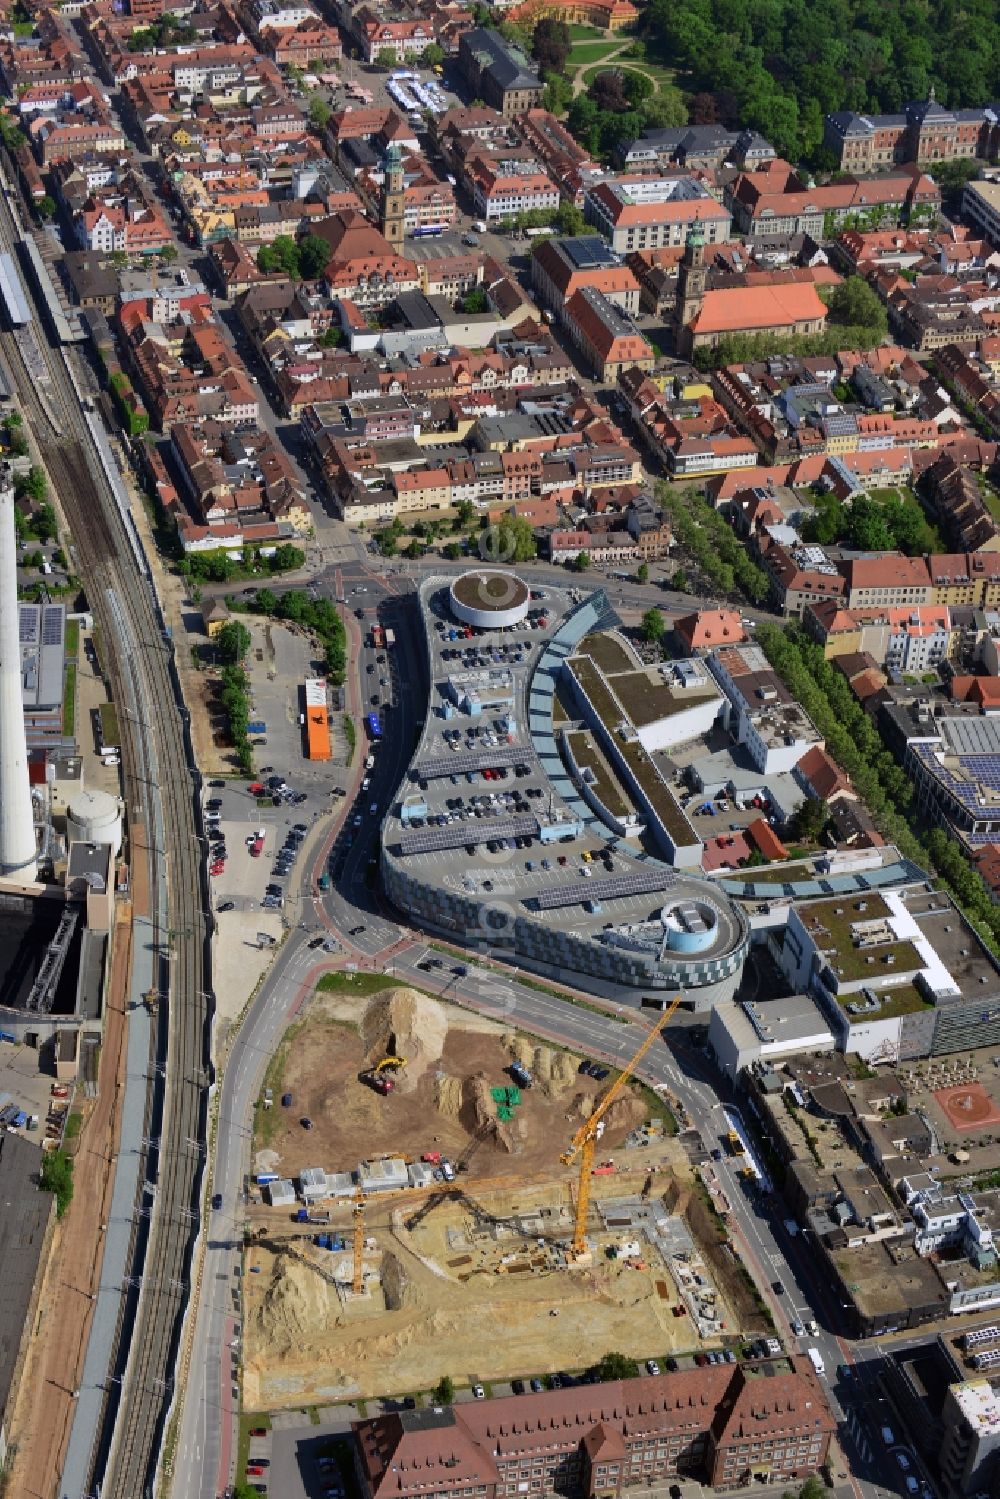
[(499, 749)]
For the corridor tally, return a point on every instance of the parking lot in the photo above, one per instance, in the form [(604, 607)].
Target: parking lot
[(246, 911), (21, 1083)]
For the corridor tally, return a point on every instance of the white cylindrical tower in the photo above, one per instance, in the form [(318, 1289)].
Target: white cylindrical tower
[(17, 833)]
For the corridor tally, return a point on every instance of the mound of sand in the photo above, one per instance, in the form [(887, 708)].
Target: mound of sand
[(401, 1022), (397, 1288), (296, 1306), (554, 1071), (480, 1114), (448, 1095)]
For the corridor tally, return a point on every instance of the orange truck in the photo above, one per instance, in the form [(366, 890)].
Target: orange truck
[(317, 723)]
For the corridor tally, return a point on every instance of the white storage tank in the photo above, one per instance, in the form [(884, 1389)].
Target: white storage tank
[(94, 817)]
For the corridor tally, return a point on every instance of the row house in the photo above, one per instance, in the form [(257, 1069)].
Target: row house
[(932, 312), (504, 186), (123, 225), (565, 161), (971, 579)]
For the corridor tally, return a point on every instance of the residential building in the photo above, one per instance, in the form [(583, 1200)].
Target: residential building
[(505, 186), (971, 1448), (762, 715), (697, 148), (981, 207)]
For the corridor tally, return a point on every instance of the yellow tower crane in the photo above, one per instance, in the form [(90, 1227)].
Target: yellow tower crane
[(584, 1142)]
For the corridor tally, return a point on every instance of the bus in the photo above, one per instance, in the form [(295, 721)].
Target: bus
[(373, 726)]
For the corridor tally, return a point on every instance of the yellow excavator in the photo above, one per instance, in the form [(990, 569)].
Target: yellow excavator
[(379, 1076)]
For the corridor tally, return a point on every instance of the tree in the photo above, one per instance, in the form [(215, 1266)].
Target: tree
[(569, 219), (558, 93), (444, 1390), (653, 626), (515, 540), (167, 253), (433, 55), (465, 513), (314, 254), (581, 562), (866, 527), (452, 551), (617, 1366), (33, 484), (475, 301), (643, 572), (386, 57), (608, 91), (550, 44), (319, 113), (57, 1177), (679, 581), (809, 820), (854, 304), (666, 109), (265, 601), (46, 207)]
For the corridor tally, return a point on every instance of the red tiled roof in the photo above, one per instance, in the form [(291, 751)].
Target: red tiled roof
[(766, 839), (739, 309)]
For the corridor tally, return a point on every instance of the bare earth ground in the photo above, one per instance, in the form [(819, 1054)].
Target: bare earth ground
[(319, 1064), (44, 1414), (451, 1289)]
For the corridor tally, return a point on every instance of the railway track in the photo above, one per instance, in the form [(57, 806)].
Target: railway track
[(161, 795)]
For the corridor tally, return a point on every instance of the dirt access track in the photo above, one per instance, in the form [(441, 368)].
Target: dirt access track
[(471, 1284)]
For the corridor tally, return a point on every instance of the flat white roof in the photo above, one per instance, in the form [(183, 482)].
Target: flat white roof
[(979, 1403)]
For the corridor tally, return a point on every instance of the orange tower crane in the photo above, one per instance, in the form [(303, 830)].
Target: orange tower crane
[(584, 1142), (358, 1283)]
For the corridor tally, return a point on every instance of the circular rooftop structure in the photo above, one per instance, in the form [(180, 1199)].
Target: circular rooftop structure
[(94, 816), (691, 925), (489, 598)]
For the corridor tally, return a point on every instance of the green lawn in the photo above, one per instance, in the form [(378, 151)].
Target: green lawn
[(69, 701), (582, 33), (582, 53), (660, 76)]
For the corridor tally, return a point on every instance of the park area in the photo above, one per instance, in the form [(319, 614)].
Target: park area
[(467, 1278), (592, 51)]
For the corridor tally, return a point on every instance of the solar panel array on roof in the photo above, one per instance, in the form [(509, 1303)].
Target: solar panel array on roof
[(555, 896), (52, 624), (590, 252), (461, 763), (430, 840)]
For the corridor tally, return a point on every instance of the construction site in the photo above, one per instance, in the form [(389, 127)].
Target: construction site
[(460, 1223)]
